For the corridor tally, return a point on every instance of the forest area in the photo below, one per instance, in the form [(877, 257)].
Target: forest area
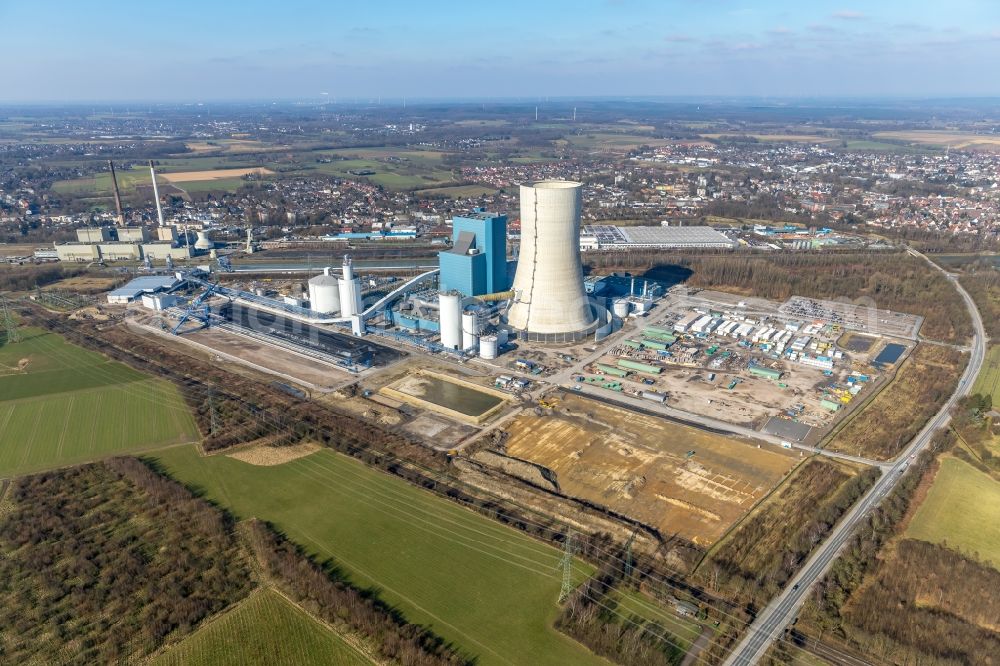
[(899, 600), (112, 562), (107, 562), (762, 554), (983, 286), (888, 280)]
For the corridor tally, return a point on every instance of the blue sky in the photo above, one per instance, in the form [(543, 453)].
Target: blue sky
[(290, 49)]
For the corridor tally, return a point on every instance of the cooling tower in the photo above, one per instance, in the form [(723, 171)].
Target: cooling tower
[(203, 242), (550, 302)]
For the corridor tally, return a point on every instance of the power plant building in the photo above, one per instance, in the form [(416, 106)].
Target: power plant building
[(476, 264), (550, 302)]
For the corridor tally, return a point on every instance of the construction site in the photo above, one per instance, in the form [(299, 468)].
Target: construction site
[(678, 479)]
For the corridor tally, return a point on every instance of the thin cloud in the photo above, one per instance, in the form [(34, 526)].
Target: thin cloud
[(680, 39), (849, 15), (821, 27)]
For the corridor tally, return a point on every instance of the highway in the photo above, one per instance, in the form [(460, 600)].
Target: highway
[(771, 621)]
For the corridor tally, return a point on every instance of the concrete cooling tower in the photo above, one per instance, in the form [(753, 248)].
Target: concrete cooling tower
[(550, 302)]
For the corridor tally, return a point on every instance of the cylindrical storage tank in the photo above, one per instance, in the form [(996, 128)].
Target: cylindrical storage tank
[(469, 340), (359, 302), (549, 296), (324, 293), (621, 307), (346, 289), (450, 314), (203, 242), (471, 322), (488, 347)]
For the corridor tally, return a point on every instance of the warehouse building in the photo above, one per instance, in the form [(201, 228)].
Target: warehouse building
[(610, 237), (166, 249), (137, 288), (78, 252)]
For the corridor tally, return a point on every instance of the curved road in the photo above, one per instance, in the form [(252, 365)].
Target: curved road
[(775, 617)]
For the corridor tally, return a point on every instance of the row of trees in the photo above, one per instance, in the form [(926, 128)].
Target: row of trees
[(589, 616), (26, 278), (326, 593)]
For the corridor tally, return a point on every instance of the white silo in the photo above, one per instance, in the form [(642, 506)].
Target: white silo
[(473, 325), (450, 317), (621, 307), (550, 301), (488, 346), (350, 291), (324, 293)]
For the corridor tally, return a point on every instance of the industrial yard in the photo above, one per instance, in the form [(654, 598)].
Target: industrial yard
[(789, 371)]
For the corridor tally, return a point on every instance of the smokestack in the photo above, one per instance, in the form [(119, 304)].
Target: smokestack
[(118, 196), (156, 194)]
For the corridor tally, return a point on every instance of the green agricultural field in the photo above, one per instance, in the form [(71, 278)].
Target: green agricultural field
[(459, 191), (217, 185), (266, 630), (417, 170), (128, 180), (488, 588), (988, 381), (880, 146), (962, 511), (60, 404)]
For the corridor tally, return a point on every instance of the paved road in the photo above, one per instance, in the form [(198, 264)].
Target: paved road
[(772, 620), (706, 422)]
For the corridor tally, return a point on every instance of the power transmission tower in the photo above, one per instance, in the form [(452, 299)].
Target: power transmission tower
[(567, 566), (629, 562), (213, 419), (9, 323)]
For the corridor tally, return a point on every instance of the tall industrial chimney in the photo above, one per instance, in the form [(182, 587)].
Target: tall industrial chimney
[(156, 194), (118, 196), (550, 301)]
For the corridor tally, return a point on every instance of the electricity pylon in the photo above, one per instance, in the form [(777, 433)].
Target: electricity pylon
[(8, 322), (567, 566)]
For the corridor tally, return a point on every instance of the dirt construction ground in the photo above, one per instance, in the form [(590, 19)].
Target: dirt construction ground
[(678, 479), (308, 370)]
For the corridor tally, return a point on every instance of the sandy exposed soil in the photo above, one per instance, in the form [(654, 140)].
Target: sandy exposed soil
[(268, 456), (681, 480), (214, 174)]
